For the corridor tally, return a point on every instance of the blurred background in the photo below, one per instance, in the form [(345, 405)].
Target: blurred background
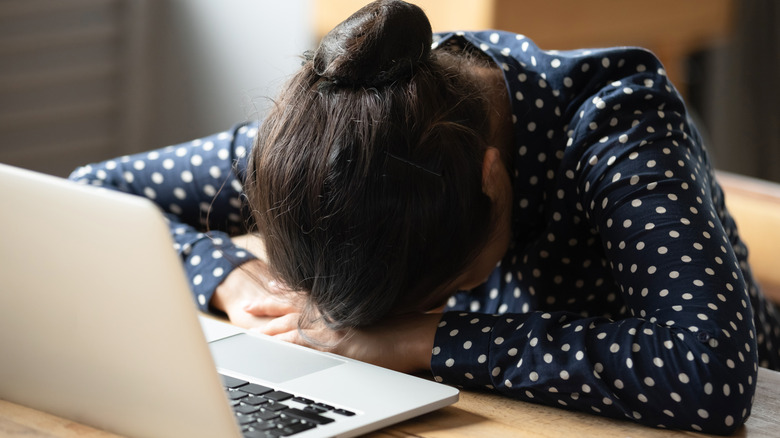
[(87, 80)]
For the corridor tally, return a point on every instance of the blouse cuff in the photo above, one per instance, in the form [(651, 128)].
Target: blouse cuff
[(208, 261), (461, 353)]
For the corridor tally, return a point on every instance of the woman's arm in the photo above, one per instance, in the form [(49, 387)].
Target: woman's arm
[(684, 356), (402, 342), (198, 187)]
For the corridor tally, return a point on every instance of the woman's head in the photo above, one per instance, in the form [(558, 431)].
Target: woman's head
[(366, 179)]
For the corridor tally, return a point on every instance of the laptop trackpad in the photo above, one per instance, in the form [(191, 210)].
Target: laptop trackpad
[(267, 360)]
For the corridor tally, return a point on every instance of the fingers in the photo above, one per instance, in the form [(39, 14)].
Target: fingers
[(272, 300), (286, 328), (262, 305), (282, 325), (293, 337), (247, 321)]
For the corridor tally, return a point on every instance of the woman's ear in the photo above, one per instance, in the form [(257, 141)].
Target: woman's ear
[(492, 173)]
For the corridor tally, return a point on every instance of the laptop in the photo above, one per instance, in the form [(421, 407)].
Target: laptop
[(97, 325)]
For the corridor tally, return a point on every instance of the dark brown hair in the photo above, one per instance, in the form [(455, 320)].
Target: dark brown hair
[(366, 177)]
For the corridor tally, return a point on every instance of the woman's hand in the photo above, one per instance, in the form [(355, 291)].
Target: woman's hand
[(249, 296), (403, 343), (250, 299)]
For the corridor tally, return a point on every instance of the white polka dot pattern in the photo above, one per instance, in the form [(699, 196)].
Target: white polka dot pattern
[(626, 291), (198, 185)]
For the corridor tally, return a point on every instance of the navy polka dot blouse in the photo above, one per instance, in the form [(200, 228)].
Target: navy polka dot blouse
[(626, 291)]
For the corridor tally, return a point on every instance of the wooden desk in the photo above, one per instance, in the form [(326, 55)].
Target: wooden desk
[(475, 415)]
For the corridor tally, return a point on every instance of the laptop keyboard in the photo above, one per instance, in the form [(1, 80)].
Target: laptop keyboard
[(265, 412)]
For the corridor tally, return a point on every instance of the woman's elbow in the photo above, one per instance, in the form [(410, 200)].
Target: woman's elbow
[(721, 397)]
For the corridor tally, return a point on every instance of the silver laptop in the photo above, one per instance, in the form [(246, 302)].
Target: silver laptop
[(97, 325)]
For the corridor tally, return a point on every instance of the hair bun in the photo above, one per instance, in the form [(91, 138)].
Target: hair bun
[(380, 43)]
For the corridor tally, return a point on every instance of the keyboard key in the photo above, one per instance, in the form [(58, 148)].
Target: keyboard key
[(297, 428), (314, 409), (232, 382), (254, 401), (235, 395), (246, 409), (303, 400), (307, 416), (265, 425), (245, 419), (278, 395), (323, 406), (344, 412), (266, 415), (286, 421), (281, 427), (255, 389), (274, 407)]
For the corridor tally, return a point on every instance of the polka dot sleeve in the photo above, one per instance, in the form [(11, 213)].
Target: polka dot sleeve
[(198, 186), (626, 291)]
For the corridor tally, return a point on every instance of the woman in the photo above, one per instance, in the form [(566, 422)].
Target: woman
[(560, 204)]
